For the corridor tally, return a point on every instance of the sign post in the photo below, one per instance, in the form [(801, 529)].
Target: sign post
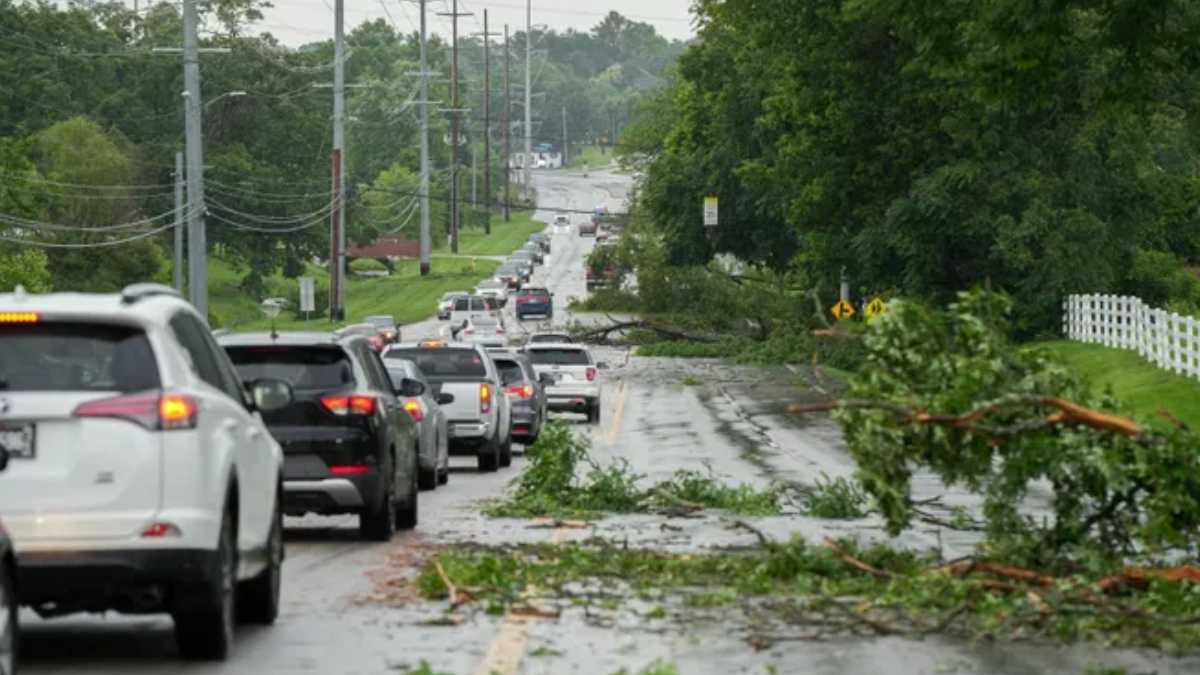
[(710, 211), (308, 296)]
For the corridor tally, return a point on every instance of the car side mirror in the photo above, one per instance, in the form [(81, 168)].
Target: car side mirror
[(3, 458), (445, 399), (547, 379), (270, 395), (410, 388)]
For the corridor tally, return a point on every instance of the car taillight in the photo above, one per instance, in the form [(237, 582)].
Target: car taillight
[(154, 410), (499, 331), (485, 398), (591, 374), (414, 410), (520, 391), (343, 406), (349, 469)]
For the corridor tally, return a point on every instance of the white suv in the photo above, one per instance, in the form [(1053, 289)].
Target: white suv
[(141, 477), (576, 385)]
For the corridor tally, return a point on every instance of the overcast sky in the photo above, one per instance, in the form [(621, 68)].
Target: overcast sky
[(298, 21)]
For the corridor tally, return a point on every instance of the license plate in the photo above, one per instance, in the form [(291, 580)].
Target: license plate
[(18, 440)]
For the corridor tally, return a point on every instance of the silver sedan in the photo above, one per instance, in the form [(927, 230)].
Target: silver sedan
[(423, 402)]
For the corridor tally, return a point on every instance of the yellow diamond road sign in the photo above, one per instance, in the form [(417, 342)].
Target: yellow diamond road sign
[(842, 310), (874, 308)]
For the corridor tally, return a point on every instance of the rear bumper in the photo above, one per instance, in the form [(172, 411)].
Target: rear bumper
[(133, 581), (535, 310), (525, 424), (326, 496), (468, 437)]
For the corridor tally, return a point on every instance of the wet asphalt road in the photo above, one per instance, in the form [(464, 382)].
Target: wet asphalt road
[(347, 607)]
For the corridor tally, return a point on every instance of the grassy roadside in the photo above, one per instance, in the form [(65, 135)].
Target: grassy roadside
[(406, 294), (505, 237), (1141, 386), (591, 156)]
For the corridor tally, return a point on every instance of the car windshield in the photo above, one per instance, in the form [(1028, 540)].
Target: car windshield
[(560, 357), (439, 363), (303, 367), (75, 357)]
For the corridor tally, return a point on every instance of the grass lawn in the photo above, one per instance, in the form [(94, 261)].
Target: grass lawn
[(1141, 386), (592, 156), (406, 294), (505, 237)]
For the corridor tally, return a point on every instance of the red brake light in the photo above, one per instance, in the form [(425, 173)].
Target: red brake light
[(485, 398), (153, 410), (349, 405), (349, 470), (591, 374), (156, 530), (414, 410), (520, 391)]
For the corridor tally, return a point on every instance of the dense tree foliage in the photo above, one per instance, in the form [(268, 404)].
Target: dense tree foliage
[(91, 119), (927, 147)]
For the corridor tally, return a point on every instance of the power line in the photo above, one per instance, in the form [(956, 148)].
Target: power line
[(104, 244)]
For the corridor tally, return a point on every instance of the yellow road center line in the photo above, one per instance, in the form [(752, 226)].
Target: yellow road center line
[(512, 638), (615, 425)]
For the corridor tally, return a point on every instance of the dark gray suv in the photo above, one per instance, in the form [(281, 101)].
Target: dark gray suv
[(526, 392)]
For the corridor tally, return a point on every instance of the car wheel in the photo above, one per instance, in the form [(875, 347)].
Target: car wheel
[(594, 412), (406, 513), (208, 633), (489, 456), (379, 523), (258, 598), (8, 623), (506, 452)]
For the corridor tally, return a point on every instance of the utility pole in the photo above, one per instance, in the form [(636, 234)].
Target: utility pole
[(425, 243), (487, 127), (564, 148), (455, 220), (179, 221), (507, 129), (194, 147), (337, 217), (528, 94)]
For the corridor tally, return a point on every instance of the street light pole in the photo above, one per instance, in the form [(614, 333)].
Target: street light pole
[(197, 238), (337, 218), (528, 91)]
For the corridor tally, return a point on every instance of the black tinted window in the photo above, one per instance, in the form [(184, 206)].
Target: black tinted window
[(510, 371), (559, 357), (302, 367), (441, 363), (75, 357)]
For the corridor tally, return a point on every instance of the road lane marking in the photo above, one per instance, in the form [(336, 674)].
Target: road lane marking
[(512, 637), (615, 425)]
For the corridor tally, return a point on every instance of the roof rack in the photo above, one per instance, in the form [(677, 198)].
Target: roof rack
[(135, 292)]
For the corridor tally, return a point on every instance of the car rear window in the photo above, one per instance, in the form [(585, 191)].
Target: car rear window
[(440, 363), (474, 304), (381, 321), (61, 356), (315, 367), (550, 338), (560, 357), (510, 371)]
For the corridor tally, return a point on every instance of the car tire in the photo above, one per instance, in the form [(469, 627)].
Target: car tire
[(208, 633), (444, 476), (506, 452), (9, 631), (594, 412), (489, 456), (379, 524), (428, 479), (407, 513), (258, 598)]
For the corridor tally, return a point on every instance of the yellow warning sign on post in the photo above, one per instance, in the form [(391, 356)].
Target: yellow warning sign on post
[(842, 310), (874, 308)]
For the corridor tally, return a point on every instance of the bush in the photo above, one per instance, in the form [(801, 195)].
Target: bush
[(368, 265)]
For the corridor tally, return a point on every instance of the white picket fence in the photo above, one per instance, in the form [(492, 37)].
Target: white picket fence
[(1166, 339)]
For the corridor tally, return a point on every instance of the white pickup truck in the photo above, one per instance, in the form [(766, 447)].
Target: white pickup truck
[(576, 385), (479, 420)]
